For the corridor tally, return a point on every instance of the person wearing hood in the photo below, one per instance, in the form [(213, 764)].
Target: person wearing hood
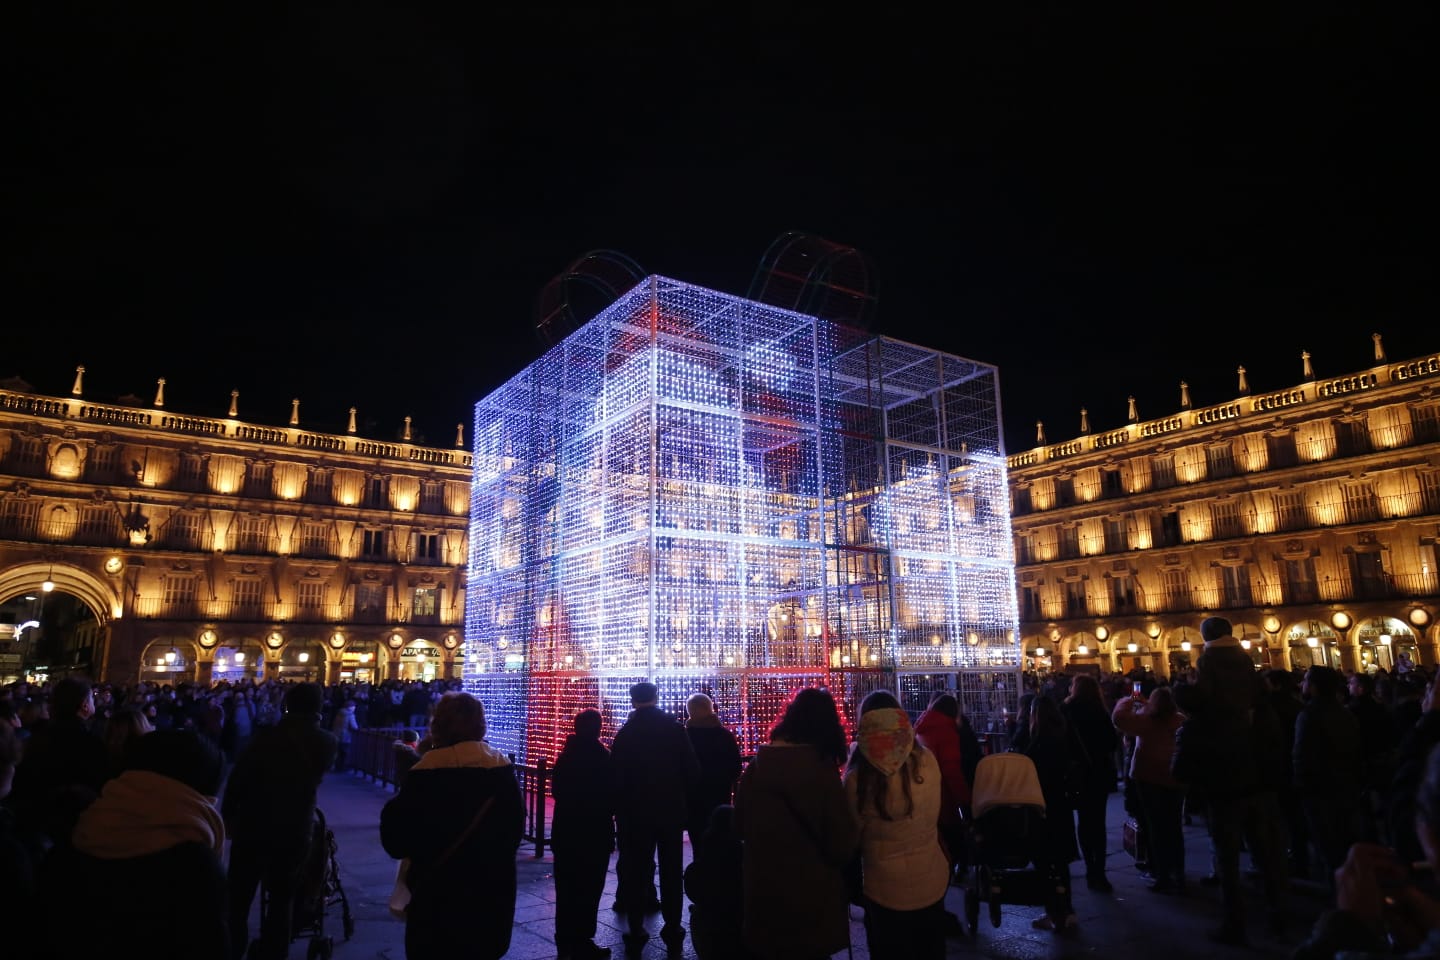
[(459, 820), (154, 828), (582, 834), (894, 787), (719, 754)]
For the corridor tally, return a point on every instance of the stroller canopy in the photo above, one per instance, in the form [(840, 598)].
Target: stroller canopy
[(1006, 779)]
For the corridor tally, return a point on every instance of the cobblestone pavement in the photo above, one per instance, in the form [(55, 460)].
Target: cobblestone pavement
[(1131, 922)]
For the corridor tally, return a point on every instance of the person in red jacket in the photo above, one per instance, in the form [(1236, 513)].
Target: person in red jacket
[(939, 730)]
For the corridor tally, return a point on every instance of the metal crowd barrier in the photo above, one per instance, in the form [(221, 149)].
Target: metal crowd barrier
[(372, 754)]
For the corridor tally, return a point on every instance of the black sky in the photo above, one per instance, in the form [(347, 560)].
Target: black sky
[(358, 203)]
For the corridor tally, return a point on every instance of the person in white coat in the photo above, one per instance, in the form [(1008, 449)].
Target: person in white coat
[(893, 784)]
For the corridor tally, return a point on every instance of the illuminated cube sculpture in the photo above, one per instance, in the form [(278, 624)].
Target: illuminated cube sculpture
[(724, 496)]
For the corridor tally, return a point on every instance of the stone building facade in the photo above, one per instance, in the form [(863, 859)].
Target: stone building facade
[(212, 548), (1306, 516)]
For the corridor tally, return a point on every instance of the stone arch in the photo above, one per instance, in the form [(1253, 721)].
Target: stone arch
[(80, 583), (169, 660)]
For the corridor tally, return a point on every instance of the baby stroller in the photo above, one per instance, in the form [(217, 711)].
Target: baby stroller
[(319, 890), (1005, 833)]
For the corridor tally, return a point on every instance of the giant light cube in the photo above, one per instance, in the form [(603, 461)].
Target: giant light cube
[(724, 496)]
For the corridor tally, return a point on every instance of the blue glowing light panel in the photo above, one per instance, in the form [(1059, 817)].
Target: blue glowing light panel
[(723, 496)]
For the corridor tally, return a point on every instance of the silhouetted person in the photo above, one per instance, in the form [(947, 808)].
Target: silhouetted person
[(719, 754), (153, 832), (269, 809), (64, 764), (655, 767), (582, 834)]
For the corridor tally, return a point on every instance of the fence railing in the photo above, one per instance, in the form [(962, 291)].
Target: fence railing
[(372, 753)]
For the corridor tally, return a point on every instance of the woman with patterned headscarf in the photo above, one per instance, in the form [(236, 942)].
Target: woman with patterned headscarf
[(893, 784)]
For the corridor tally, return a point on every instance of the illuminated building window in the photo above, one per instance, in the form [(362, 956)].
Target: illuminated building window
[(180, 592), (1219, 461), (372, 544), (1290, 510), (99, 524), (1030, 606), (375, 492), (252, 535), (1176, 586), (369, 602), (192, 472), (1225, 520), (426, 604), (183, 531), (257, 479), (432, 496), (1115, 535), (427, 548), (310, 594), (1234, 584), (1122, 593), (246, 595), (1110, 485), (1280, 450), (316, 540), (1162, 472)]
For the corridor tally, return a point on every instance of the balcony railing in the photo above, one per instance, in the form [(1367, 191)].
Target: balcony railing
[(283, 611)]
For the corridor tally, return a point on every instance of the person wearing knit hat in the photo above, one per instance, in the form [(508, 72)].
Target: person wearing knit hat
[(1216, 630), (719, 754)]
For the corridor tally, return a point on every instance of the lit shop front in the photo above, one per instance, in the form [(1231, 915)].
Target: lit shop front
[(360, 662), (421, 660)]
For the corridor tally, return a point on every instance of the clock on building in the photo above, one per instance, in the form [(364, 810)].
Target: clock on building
[(209, 638), (113, 565)]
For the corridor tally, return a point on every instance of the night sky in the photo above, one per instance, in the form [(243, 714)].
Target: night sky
[(358, 203)]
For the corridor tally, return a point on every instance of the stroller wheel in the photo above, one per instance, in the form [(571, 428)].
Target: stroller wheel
[(972, 910), (320, 948), (995, 911)]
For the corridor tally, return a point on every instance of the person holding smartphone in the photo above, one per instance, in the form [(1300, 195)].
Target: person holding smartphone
[(1386, 906)]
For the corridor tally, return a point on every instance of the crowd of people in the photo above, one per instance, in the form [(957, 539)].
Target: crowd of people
[(1317, 774), (200, 794)]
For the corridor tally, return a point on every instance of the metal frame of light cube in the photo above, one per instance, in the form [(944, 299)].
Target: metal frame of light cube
[(728, 497)]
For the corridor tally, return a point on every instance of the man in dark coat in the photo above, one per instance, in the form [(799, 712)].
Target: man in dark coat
[(458, 820), (269, 810), (654, 767), (1231, 748), (582, 833), (719, 754)]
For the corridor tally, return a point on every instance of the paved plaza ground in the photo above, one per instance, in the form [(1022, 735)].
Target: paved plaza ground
[(1131, 922)]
